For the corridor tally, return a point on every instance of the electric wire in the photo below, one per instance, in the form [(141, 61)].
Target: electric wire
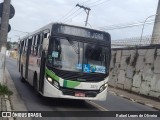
[(19, 31), (136, 25), (92, 3), (73, 16), (99, 3), (124, 24), (64, 16), (85, 2), (70, 16)]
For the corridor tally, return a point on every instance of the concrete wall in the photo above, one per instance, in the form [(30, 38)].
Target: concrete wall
[(156, 28), (136, 69)]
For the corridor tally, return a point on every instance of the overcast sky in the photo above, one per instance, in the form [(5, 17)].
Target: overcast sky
[(33, 14)]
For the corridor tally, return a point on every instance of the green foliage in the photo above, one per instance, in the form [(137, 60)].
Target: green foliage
[(4, 90), (8, 45)]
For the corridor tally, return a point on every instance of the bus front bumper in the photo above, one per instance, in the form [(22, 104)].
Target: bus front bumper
[(51, 91)]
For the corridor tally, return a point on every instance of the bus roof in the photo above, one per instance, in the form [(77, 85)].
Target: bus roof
[(79, 31)]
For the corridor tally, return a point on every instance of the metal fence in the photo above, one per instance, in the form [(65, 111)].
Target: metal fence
[(135, 41)]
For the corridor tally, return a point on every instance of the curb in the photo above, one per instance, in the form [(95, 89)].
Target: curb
[(134, 100), (8, 106), (14, 101)]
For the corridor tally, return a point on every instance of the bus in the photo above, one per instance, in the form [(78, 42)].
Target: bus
[(66, 61)]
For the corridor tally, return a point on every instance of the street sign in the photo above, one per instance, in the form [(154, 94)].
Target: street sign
[(9, 27), (12, 10)]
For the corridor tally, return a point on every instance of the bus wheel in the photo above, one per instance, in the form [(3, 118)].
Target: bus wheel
[(22, 78)]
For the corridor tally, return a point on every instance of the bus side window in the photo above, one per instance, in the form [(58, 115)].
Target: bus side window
[(46, 42), (45, 35), (21, 46), (29, 45), (32, 46), (35, 46), (40, 45), (37, 43), (25, 44)]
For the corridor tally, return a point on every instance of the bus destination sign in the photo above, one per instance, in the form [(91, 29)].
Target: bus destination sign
[(70, 30)]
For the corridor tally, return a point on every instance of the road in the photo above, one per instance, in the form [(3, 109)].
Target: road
[(34, 103)]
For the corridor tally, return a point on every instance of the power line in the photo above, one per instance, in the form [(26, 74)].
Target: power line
[(99, 3), (123, 24), (94, 2), (67, 14), (129, 26), (85, 1), (74, 16), (70, 16), (19, 31)]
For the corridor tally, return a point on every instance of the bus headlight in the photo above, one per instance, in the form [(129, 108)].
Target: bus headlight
[(103, 87), (49, 79), (53, 82)]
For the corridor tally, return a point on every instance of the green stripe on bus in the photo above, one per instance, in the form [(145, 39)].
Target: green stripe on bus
[(66, 83), (70, 84), (51, 74)]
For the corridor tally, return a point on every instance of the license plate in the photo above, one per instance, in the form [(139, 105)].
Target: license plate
[(79, 94)]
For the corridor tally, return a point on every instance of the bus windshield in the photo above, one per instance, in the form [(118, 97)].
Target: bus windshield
[(77, 56)]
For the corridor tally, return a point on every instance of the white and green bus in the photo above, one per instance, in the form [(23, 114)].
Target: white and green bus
[(65, 61)]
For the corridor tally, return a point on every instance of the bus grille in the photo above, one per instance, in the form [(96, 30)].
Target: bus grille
[(71, 92), (76, 76)]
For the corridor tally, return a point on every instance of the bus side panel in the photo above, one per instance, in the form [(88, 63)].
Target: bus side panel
[(31, 69), (22, 65), (27, 58)]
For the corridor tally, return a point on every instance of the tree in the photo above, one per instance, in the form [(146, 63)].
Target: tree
[(8, 45)]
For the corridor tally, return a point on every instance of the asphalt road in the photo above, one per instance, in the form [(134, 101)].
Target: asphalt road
[(34, 103)]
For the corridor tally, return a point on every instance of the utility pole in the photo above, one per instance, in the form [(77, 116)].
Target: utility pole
[(3, 37), (87, 10)]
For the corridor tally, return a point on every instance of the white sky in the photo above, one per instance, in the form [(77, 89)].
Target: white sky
[(33, 14)]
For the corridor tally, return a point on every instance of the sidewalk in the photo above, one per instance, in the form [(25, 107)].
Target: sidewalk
[(13, 102), (151, 102), (3, 106)]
